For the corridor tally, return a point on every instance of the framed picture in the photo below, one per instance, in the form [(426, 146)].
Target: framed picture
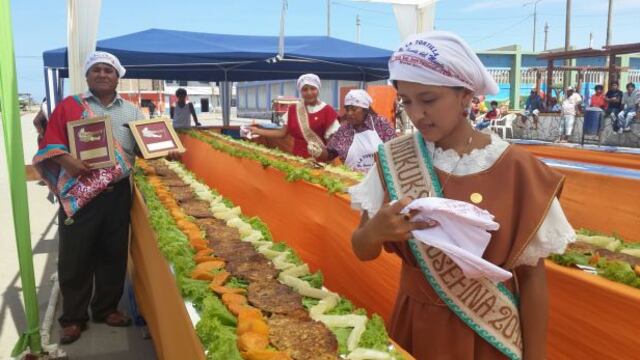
[(91, 140), (155, 137)]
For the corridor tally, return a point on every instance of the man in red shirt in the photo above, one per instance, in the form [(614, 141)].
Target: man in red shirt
[(598, 99)]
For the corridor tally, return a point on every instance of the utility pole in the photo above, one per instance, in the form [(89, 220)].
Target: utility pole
[(567, 27), (535, 19), (608, 64), (546, 33), (283, 14), (358, 29), (328, 17), (609, 15), (567, 43)]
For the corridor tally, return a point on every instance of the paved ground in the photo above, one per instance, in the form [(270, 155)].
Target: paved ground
[(100, 342)]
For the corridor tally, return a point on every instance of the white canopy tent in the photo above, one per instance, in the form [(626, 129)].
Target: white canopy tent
[(412, 16)]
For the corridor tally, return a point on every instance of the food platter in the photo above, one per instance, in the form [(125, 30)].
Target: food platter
[(606, 256), (335, 178), (246, 287)]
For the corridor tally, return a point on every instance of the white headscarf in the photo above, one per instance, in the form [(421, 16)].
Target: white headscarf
[(101, 57), (441, 58), (308, 79), (358, 97)]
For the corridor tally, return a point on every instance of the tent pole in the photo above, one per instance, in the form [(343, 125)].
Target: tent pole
[(226, 101), (30, 338), (48, 91)]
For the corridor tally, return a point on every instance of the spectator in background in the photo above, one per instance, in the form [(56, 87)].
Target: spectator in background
[(40, 121), (492, 114), (152, 110), (475, 108), (570, 108), (613, 97), (630, 103), (533, 107), (554, 106), (182, 111), (598, 99)]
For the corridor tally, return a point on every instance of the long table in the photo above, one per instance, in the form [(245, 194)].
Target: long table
[(159, 300), (587, 313)]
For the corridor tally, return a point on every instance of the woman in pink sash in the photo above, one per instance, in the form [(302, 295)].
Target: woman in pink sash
[(310, 124)]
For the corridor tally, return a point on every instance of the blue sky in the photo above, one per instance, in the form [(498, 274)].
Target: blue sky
[(41, 25)]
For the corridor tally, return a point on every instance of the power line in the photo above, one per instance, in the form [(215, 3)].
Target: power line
[(505, 29), (377, 25), (361, 8)]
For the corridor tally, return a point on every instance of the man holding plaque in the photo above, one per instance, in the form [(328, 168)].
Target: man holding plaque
[(95, 200)]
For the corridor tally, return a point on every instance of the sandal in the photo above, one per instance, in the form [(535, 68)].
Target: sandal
[(116, 319), (71, 333)]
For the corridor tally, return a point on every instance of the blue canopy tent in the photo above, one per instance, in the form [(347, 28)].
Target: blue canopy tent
[(182, 55)]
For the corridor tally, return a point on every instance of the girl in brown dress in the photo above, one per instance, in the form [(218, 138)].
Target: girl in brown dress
[(436, 75)]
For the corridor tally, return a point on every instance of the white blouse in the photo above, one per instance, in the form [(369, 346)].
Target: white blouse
[(554, 233)]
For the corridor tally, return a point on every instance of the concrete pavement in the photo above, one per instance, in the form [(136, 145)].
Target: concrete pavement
[(100, 341)]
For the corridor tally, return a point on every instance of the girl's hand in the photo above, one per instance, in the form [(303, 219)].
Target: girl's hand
[(390, 225)]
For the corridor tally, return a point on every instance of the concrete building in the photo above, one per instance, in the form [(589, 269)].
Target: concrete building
[(205, 96), (513, 69)]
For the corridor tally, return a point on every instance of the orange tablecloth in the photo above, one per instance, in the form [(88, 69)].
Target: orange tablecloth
[(316, 224), (157, 295), (624, 160), (591, 317), (319, 225), (602, 203)]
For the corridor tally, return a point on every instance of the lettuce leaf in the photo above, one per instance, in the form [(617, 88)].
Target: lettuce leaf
[(344, 307), (308, 302), (212, 307), (570, 258), (220, 340), (342, 335), (375, 335), (195, 290), (235, 282), (315, 280), (618, 271)]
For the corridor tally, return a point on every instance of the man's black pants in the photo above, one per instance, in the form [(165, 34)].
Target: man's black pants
[(92, 258)]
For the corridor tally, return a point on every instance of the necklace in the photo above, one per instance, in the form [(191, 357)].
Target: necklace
[(466, 148)]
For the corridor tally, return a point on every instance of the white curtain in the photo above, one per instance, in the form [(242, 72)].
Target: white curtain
[(412, 16), (82, 30)]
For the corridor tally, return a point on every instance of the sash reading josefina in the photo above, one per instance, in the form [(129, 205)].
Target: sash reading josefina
[(489, 309), (303, 119)]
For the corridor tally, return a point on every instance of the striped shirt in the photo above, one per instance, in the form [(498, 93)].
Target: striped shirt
[(121, 112)]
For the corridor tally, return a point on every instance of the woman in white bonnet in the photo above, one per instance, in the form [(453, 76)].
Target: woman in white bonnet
[(310, 123), (357, 140), (436, 75)]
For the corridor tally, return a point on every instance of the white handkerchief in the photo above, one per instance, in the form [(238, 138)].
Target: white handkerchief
[(246, 133), (462, 234)]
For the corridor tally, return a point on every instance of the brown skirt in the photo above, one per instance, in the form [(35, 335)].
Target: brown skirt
[(423, 325)]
